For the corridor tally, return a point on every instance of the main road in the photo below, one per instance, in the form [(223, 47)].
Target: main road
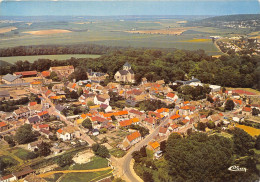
[(128, 157)]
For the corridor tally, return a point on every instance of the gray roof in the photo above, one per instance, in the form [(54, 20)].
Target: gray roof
[(127, 64), (59, 107), (123, 72), (10, 77), (34, 119), (4, 93)]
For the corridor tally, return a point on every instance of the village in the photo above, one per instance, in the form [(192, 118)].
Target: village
[(69, 115)]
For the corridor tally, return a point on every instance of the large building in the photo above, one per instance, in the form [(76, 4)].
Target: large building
[(62, 71), (125, 75), (12, 79)]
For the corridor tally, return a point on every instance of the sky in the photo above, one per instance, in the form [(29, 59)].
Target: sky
[(127, 7)]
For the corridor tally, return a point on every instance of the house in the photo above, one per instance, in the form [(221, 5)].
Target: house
[(163, 111), (43, 115), (130, 140), (186, 110), (246, 111), (96, 76), (46, 74), (12, 79), (46, 133), (34, 145), (150, 121), (68, 133), (107, 108), (26, 74), (175, 117), (154, 146), (95, 132), (36, 84), (4, 95), (22, 112), (125, 75), (162, 131), (98, 100), (3, 126), (214, 117), (171, 97), (38, 127), (8, 178), (59, 108), (136, 114), (21, 174), (97, 119), (33, 120), (62, 71), (33, 178), (35, 108), (173, 128), (158, 154)]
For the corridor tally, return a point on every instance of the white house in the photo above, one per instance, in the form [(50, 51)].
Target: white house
[(98, 100), (68, 133), (130, 140), (8, 178)]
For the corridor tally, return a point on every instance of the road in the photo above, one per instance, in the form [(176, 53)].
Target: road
[(53, 111), (128, 157)]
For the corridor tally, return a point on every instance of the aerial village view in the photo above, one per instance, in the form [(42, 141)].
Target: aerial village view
[(104, 111)]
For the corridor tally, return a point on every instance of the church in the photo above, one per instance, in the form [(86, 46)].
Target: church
[(125, 75)]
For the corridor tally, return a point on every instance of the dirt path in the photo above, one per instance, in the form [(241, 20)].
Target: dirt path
[(73, 171)]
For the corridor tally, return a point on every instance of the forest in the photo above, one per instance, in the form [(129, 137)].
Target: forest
[(200, 157), (170, 65)]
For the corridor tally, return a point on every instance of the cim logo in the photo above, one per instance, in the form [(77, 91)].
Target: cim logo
[(237, 168)]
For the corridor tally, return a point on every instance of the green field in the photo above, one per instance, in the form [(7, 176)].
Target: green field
[(111, 33), (14, 59), (96, 163)]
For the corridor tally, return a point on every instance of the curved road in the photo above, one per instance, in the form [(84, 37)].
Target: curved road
[(127, 159)]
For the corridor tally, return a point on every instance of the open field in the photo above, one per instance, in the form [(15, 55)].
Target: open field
[(250, 130), (7, 29), (13, 59), (245, 89), (170, 31), (163, 33), (47, 32)]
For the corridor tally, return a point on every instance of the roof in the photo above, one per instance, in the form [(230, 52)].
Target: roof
[(34, 119), (162, 110), (32, 103), (119, 113), (4, 93), (46, 73), (98, 119), (26, 73), (238, 101), (43, 113), (36, 83), (21, 110), (136, 112), (26, 170), (59, 107), (104, 106), (43, 126), (170, 95), (61, 68), (123, 72), (6, 177), (127, 64), (150, 120), (34, 178), (215, 117), (3, 124), (173, 126), (101, 99), (125, 123), (133, 136), (176, 116), (247, 109), (154, 145), (10, 78), (162, 130)]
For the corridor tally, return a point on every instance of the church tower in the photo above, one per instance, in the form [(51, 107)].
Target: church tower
[(126, 66)]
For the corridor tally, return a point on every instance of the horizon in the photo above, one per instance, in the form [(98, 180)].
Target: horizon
[(128, 8)]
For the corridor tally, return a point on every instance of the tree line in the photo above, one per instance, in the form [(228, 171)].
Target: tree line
[(155, 64)]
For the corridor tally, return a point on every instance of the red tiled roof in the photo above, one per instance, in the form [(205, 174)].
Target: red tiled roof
[(162, 110), (238, 101), (150, 120), (32, 103), (98, 119), (247, 109), (243, 92), (59, 130), (43, 113), (154, 145), (46, 73), (2, 124), (170, 95), (125, 123), (43, 126), (74, 85), (185, 121), (119, 113), (136, 112), (176, 116), (173, 126), (133, 136), (26, 73), (162, 130)]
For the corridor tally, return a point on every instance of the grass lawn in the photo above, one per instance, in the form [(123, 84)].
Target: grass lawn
[(224, 134), (117, 152), (8, 161), (86, 177), (22, 153), (96, 163), (14, 59)]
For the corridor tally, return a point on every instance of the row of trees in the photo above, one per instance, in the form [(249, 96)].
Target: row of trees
[(11, 105), (228, 70)]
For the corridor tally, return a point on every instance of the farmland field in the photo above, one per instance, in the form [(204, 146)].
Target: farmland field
[(51, 57), (165, 34)]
